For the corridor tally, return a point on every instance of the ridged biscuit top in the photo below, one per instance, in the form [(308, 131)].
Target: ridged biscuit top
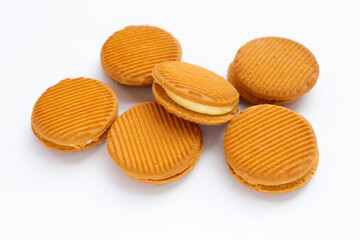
[(129, 55), (195, 83), (273, 67), (74, 111), (148, 142), (270, 145)]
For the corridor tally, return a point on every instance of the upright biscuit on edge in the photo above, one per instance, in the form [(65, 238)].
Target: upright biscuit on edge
[(271, 149), (153, 146), (129, 55), (74, 114)]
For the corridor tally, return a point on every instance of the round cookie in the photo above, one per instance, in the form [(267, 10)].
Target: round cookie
[(194, 93), (153, 146), (74, 115), (273, 70), (247, 95), (271, 149), (129, 55)]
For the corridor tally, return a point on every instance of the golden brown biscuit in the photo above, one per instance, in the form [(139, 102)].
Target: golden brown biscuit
[(247, 95), (194, 93), (74, 115), (153, 146), (271, 149), (273, 70), (129, 55)]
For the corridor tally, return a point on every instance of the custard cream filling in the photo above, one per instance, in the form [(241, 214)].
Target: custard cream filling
[(87, 143), (197, 107)]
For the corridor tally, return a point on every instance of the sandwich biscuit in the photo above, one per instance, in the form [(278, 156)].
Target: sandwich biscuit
[(194, 93), (153, 146), (74, 114), (129, 55), (273, 70), (271, 149)]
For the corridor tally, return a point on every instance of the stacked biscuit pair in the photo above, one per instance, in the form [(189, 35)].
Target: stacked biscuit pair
[(267, 147)]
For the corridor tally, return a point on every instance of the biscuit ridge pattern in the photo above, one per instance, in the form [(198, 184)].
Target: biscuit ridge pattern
[(147, 139), (276, 67), (270, 145), (135, 50), (74, 108), (196, 83)]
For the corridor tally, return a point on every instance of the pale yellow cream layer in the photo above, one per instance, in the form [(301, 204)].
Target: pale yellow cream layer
[(87, 143), (197, 107)]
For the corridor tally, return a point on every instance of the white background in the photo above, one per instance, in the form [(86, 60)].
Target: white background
[(46, 194)]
